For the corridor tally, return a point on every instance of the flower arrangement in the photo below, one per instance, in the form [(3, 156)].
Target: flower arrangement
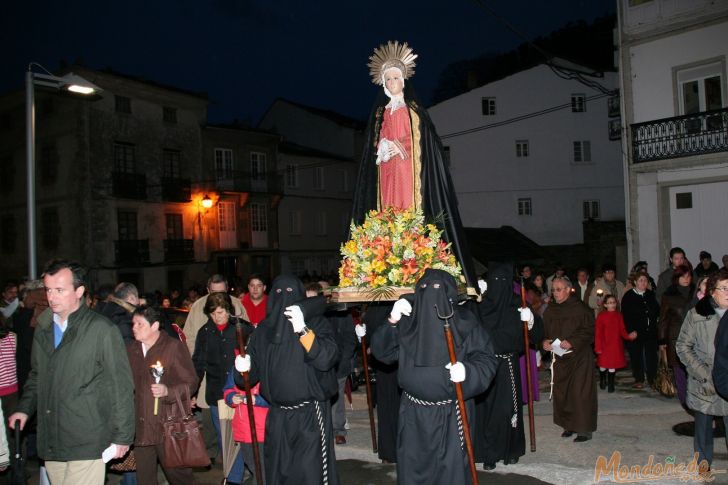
[(394, 247)]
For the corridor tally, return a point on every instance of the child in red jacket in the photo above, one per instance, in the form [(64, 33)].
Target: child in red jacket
[(608, 345), (234, 396)]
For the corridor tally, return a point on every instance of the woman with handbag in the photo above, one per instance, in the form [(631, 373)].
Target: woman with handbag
[(157, 401), (696, 349), (675, 304)]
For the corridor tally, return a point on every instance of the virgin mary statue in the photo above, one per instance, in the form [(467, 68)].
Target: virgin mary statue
[(403, 163)]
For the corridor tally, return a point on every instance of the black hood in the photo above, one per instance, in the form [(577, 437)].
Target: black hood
[(422, 333), (285, 291)]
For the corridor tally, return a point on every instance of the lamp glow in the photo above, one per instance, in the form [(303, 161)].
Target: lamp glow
[(75, 88), (206, 202)]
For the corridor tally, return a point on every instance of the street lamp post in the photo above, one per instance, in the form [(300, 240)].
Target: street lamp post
[(69, 82)]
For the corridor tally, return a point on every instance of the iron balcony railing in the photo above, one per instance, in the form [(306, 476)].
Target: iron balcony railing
[(131, 252), (179, 250), (129, 185), (176, 189), (680, 136)]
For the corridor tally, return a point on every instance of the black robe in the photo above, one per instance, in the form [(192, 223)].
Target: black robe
[(430, 447), (298, 385), (387, 392), (496, 438), (438, 199)]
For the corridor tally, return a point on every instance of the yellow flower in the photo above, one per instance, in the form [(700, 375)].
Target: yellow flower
[(350, 247), (344, 282), (379, 281), (392, 259), (379, 266)]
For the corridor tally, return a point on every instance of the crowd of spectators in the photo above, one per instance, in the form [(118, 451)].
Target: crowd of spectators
[(678, 316)]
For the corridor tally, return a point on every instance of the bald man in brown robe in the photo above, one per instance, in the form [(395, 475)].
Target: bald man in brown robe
[(574, 388)]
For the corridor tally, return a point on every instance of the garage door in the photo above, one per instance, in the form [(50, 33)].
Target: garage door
[(698, 216)]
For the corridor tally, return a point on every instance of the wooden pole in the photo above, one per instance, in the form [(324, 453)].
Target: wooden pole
[(249, 405), (368, 386), (459, 394), (529, 377)]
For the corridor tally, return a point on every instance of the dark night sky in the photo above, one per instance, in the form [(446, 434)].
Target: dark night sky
[(245, 53)]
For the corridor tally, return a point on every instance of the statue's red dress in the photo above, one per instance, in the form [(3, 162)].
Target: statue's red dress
[(396, 176)]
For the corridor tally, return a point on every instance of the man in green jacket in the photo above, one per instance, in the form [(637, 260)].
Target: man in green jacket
[(80, 383)]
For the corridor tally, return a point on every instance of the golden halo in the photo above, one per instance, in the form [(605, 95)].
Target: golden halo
[(392, 54)]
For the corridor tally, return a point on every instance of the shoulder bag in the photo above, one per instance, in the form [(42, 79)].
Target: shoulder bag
[(183, 444)]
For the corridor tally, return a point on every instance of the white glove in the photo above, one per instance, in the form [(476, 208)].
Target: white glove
[(401, 307), (482, 286), (295, 316), (383, 152), (242, 364), (361, 330), (457, 371), (527, 316)]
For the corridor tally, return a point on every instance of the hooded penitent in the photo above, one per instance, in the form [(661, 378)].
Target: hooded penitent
[(285, 291), (498, 310), (422, 333)]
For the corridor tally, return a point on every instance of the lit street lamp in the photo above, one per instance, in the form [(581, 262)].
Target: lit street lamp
[(69, 82)]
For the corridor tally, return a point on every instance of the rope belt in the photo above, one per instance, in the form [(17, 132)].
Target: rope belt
[(322, 429), (507, 357), (553, 366), (446, 402), (295, 406)]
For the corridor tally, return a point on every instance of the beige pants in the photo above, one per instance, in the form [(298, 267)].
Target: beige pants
[(80, 472)]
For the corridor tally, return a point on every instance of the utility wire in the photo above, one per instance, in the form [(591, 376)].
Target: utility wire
[(560, 71), (517, 118)]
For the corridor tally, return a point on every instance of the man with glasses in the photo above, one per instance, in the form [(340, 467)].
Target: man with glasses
[(569, 331), (720, 364)]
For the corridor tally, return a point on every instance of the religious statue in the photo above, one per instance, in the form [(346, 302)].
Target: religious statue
[(403, 162)]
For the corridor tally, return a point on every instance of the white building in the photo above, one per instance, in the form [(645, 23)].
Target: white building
[(533, 151), (673, 79)]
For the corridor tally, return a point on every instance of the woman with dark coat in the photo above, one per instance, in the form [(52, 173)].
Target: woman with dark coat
[(152, 346), (640, 311), (214, 353), (676, 301)]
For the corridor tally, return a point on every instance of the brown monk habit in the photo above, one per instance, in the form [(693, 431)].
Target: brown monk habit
[(574, 391)]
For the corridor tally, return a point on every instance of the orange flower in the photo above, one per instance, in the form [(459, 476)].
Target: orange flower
[(409, 267), (380, 252)]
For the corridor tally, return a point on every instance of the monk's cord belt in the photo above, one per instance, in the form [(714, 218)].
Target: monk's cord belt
[(553, 362), (295, 406), (446, 402), (322, 429), (507, 357)]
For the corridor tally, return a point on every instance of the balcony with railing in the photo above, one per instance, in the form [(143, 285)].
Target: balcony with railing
[(179, 250), (680, 136), (243, 181), (129, 185), (176, 189), (131, 252)]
